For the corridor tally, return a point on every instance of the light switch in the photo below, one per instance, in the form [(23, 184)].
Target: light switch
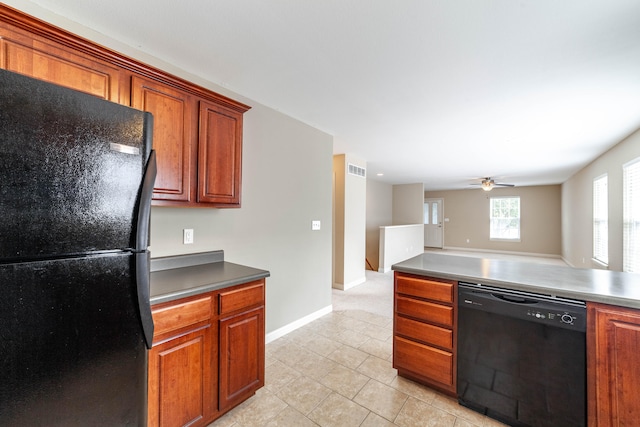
[(187, 236), (315, 225)]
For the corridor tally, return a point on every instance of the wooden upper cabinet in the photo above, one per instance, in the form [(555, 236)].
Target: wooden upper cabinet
[(219, 155), (55, 64), (172, 132), (197, 133)]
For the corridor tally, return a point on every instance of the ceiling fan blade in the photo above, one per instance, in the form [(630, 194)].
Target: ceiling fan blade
[(503, 185)]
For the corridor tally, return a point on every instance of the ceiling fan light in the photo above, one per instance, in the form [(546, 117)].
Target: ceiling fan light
[(487, 185)]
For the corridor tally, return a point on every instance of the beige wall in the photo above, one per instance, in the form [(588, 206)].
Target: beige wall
[(283, 191), (379, 213), (468, 214), (287, 170), (577, 206), (350, 193), (408, 202)]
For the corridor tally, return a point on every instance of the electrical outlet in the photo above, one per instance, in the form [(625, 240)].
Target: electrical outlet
[(315, 225), (187, 236)]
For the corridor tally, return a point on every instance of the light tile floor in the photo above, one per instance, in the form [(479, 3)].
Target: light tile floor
[(337, 371)]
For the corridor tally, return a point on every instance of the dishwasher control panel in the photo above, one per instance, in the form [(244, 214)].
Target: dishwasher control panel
[(566, 317), (545, 309)]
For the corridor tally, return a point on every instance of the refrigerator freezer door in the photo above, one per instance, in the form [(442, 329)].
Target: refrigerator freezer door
[(72, 351), (71, 167)]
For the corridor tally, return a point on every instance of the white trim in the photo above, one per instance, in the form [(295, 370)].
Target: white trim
[(280, 332), (599, 263), (533, 254), (566, 261), (345, 286), (399, 226)]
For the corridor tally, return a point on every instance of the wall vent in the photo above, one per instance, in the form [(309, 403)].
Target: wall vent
[(357, 170)]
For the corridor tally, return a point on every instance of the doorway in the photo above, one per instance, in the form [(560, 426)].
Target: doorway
[(433, 231)]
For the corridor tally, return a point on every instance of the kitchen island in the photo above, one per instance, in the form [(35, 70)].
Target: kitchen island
[(604, 286), (426, 322), (208, 349)]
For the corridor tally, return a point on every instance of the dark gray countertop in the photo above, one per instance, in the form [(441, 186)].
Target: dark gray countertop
[(604, 286), (187, 275)]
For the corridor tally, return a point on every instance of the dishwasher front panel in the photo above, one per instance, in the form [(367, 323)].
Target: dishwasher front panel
[(520, 370)]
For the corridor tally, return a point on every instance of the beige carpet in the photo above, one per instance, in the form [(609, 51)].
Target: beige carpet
[(373, 296)]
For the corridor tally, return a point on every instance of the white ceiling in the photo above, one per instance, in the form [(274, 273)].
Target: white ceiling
[(433, 91)]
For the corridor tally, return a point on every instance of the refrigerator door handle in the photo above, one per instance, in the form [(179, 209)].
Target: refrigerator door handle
[(144, 207), (141, 252), (142, 280)]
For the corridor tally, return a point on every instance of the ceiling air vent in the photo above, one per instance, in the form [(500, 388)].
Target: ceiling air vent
[(357, 170)]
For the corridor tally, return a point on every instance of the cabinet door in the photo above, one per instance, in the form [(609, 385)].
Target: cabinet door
[(241, 357), (180, 381), (219, 155), (54, 64), (613, 371), (172, 132)]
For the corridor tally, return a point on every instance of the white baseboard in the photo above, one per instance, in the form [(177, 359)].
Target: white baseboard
[(532, 254), (345, 286), (280, 332)]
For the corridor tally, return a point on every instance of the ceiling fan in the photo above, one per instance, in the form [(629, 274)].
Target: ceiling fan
[(487, 184)]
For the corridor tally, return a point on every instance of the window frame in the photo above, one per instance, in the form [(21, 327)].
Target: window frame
[(492, 219), (631, 208), (600, 219)]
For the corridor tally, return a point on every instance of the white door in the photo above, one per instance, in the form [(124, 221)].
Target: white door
[(433, 223)]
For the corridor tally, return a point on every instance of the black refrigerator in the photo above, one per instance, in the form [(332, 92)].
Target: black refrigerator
[(76, 179)]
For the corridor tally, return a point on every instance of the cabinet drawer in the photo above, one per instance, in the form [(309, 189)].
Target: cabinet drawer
[(429, 362), (433, 289), (423, 310), (249, 295), (173, 317), (424, 332)]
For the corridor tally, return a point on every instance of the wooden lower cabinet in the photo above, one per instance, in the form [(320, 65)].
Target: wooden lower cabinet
[(207, 355), (613, 365), (241, 357), (424, 330), (420, 360), (180, 388)]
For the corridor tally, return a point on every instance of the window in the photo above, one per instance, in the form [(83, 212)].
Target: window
[(600, 220), (434, 213), (431, 213), (631, 217), (427, 220), (505, 218)]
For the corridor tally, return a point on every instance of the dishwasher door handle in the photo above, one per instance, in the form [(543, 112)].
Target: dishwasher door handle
[(515, 299)]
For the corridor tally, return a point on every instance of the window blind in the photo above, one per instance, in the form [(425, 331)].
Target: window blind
[(631, 216), (601, 220)]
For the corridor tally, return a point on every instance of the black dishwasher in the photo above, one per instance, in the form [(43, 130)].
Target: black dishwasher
[(522, 356)]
